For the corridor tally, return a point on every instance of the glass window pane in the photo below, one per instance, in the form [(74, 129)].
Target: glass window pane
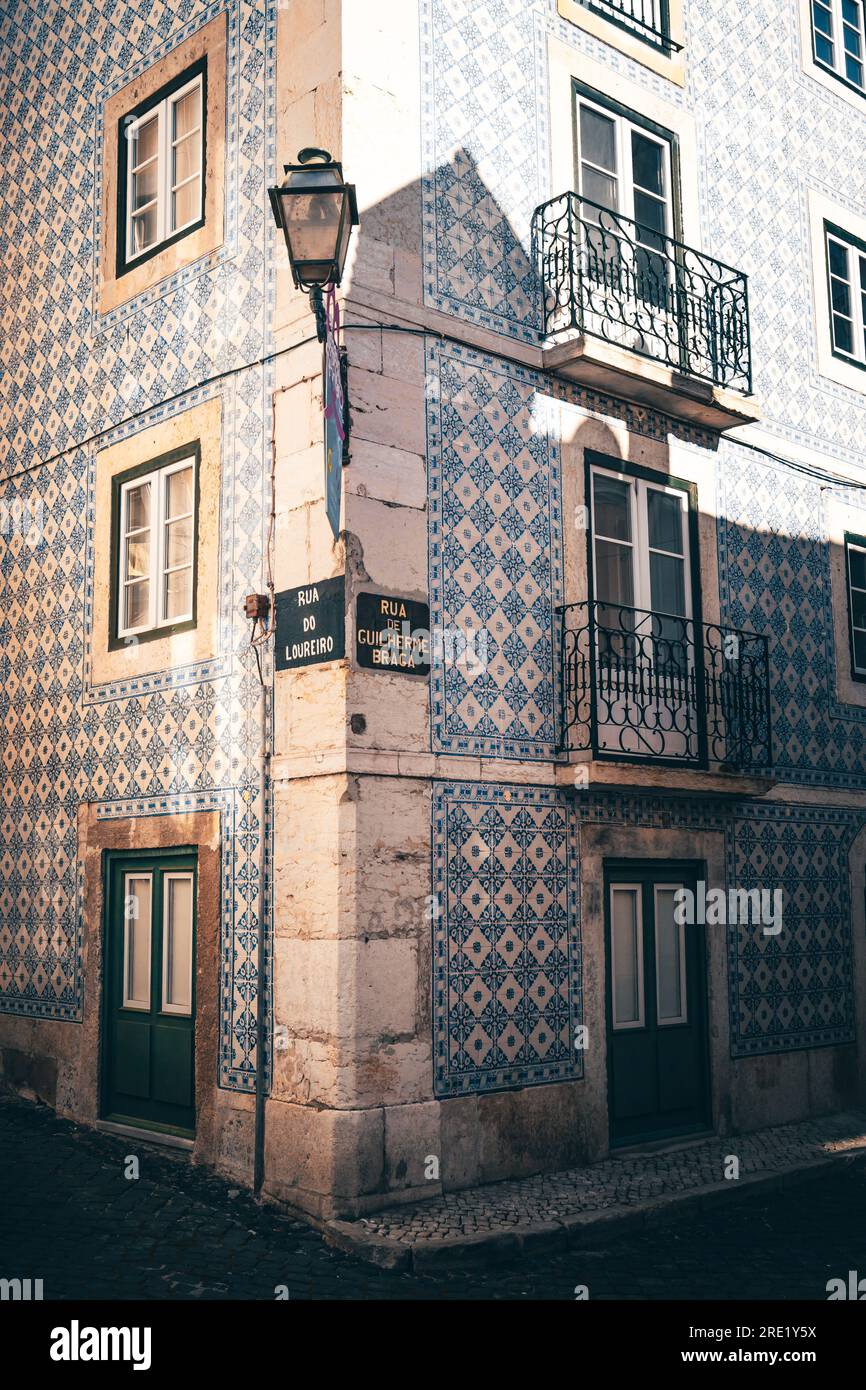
[(614, 581), (144, 230), (841, 296), (612, 507), (668, 963), (857, 566), (598, 187), (137, 604), (665, 521), (186, 159), (138, 507), (177, 944), (178, 492), (145, 142), (186, 203), (136, 941), (178, 594), (838, 260), (667, 584), (842, 336), (854, 71), (860, 651), (647, 158), (823, 50), (858, 607), (597, 139), (144, 185), (627, 985), (178, 543), (187, 113), (851, 12), (649, 212), (138, 556)]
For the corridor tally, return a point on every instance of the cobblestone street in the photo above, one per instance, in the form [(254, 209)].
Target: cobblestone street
[(71, 1218)]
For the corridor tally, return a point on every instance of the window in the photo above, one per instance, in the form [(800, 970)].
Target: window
[(855, 569), (155, 510), (162, 158), (624, 166), (177, 943), (640, 544), (137, 889), (838, 39), (846, 270), (626, 949), (643, 627)]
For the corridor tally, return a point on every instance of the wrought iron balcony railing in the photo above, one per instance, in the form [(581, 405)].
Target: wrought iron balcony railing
[(638, 685), (613, 278), (649, 19)]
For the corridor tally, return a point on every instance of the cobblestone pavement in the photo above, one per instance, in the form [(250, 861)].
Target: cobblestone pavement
[(70, 1217), (616, 1182)]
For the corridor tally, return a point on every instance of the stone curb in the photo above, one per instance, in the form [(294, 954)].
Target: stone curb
[(584, 1230)]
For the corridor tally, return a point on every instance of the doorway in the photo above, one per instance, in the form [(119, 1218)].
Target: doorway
[(658, 1066), (149, 1016)]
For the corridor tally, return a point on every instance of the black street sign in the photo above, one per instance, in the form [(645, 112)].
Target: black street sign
[(392, 634), (311, 624)]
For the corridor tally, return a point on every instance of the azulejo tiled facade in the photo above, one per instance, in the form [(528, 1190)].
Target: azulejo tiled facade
[(487, 132), (494, 556), (794, 989), (75, 381), (507, 1005), (440, 863)]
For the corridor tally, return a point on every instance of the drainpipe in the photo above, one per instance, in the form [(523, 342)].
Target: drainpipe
[(261, 955), (268, 621)]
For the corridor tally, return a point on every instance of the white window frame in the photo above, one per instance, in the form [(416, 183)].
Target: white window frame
[(684, 1006), (623, 128), (639, 543), (156, 617), (629, 1025), (850, 545), (140, 1005), (856, 291), (163, 111), (182, 1010), (839, 25)]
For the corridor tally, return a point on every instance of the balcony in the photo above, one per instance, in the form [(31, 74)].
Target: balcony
[(647, 687), (632, 312), (647, 19)]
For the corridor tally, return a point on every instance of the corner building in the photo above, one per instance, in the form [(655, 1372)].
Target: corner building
[(606, 370)]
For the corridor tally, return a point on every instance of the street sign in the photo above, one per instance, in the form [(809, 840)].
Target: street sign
[(311, 624), (392, 634)]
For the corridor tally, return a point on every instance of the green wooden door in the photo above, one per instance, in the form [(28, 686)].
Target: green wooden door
[(658, 1075), (149, 1022)]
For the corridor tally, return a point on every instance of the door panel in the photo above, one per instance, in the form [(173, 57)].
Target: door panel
[(658, 1077), (149, 1029)]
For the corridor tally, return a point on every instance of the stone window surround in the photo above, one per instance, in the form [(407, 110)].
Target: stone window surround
[(823, 211), (159, 103), (671, 65), (566, 67), (188, 453), (208, 44), (831, 81), (199, 427)]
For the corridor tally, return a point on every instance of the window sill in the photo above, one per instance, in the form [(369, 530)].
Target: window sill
[(670, 65)]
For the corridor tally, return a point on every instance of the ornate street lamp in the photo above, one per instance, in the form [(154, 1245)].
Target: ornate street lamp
[(317, 211)]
